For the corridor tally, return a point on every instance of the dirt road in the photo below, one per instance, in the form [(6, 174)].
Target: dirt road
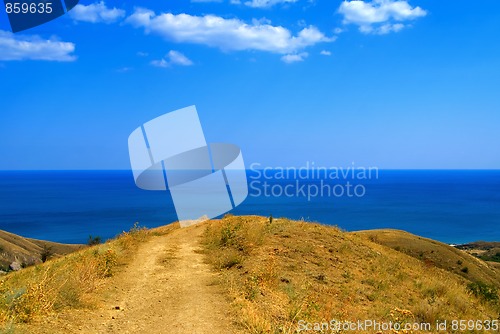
[(166, 288)]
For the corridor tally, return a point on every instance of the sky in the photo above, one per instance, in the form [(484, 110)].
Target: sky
[(382, 83)]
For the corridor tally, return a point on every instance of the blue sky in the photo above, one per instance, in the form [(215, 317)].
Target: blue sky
[(384, 83)]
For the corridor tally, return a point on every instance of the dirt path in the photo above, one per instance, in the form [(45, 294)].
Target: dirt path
[(167, 288)]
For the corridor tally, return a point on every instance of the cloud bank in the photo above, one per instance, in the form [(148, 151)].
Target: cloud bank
[(379, 16), (96, 12), (17, 47), (226, 34)]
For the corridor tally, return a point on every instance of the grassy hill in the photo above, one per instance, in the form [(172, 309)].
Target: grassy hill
[(436, 254), (29, 251), (279, 275)]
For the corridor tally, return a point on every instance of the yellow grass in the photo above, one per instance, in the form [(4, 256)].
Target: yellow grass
[(72, 281), (283, 272)]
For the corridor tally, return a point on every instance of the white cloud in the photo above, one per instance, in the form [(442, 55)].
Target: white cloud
[(226, 34), (266, 3), (96, 12), (160, 63), (325, 53), (294, 58), (253, 3), (172, 58), (178, 58), (383, 29), (379, 16), (17, 47)]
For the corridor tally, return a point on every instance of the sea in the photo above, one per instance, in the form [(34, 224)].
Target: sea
[(452, 206)]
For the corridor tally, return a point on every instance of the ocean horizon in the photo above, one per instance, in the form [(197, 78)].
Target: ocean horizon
[(451, 206)]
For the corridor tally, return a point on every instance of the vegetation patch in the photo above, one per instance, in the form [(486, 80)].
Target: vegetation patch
[(486, 292), (279, 272)]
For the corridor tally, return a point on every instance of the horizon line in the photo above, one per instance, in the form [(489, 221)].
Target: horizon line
[(267, 168)]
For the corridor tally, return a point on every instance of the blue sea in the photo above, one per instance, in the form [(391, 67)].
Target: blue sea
[(451, 206)]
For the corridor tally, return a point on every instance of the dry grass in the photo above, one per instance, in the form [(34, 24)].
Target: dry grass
[(72, 281), (29, 251), (436, 254), (281, 272)]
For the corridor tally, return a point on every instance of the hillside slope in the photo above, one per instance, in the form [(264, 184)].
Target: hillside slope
[(284, 273), (436, 254), (28, 251)]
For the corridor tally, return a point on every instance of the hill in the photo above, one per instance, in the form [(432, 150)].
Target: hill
[(26, 251), (437, 254), (487, 251), (281, 272), (250, 275)]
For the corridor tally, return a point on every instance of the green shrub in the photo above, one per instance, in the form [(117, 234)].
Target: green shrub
[(94, 240), (46, 253), (229, 234), (486, 292)]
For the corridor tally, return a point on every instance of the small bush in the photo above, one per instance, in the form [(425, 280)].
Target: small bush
[(107, 261), (137, 234), (465, 270), (229, 259), (46, 253), (137, 228), (486, 292), (94, 240), (229, 235)]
